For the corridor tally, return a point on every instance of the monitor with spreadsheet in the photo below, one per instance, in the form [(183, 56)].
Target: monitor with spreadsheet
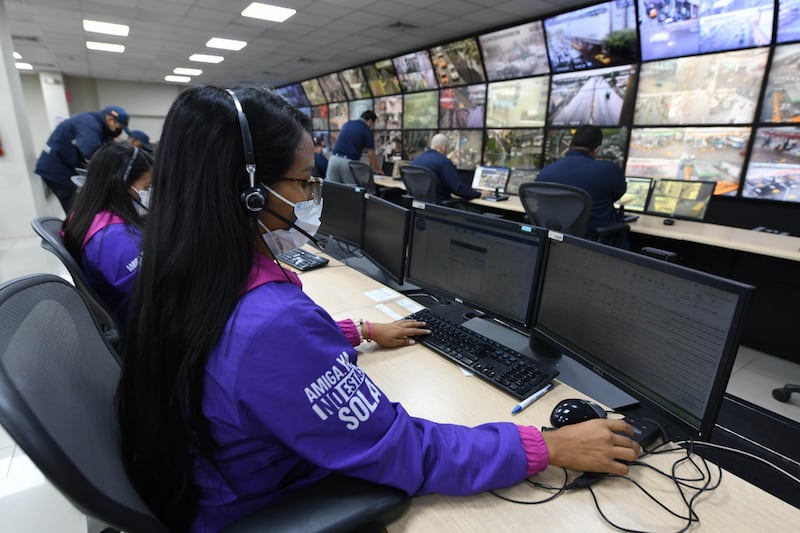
[(636, 194), (663, 333), (490, 178), (386, 235), (680, 198), (487, 263), (342, 212)]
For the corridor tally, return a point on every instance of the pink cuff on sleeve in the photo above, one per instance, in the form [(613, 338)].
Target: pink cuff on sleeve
[(535, 449), (350, 331)]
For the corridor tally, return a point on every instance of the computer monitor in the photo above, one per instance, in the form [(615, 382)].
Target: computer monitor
[(486, 263), (342, 212), (664, 333), (519, 176), (636, 194), (400, 163), (681, 199), (386, 235), (490, 178)]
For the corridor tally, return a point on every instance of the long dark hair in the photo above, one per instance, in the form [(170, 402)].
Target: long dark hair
[(106, 189), (198, 248)]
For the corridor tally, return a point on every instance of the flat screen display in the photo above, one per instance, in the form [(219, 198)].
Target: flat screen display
[(386, 230), (314, 92), (382, 78), (514, 147), (359, 106), (415, 72), (338, 114), (464, 147), (389, 110), (595, 36), (637, 193), (462, 107), (788, 21), (332, 87), (603, 97), (415, 142), (343, 212), (514, 52), (389, 144), (319, 117), (774, 169), (458, 63), (294, 93), (519, 176), (490, 178), (517, 103), (615, 142), (354, 83), (680, 199), (781, 102), (420, 110)]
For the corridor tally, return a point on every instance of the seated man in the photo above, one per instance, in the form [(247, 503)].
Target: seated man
[(448, 180), (603, 180)]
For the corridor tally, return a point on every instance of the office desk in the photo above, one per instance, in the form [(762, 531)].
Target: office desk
[(432, 387)]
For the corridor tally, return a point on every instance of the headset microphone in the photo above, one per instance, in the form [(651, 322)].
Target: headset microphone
[(254, 197)]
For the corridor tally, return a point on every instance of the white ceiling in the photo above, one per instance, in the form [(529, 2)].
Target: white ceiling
[(323, 36)]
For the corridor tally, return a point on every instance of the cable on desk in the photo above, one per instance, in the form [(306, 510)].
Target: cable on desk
[(747, 454), (560, 490)]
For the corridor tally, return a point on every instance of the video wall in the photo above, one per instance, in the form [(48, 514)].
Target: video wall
[(696, 90)]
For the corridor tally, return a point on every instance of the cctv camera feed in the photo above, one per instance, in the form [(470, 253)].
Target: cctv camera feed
[(462, 107), (517, 103), (415, 72), (389, 145), (314, 92), (595, 36), (382, 78), (782, 95), (332, 87), (518, 176), (319, 117), (710, 89), (685, 199), (514, 52), (338, 115), (355, 86), (420, 110), (416, 142), (774, 169), (599, 97), (696, 154), (359, 106), (389, 110), (464, 147), (458, 63), (305, 110), (615, 141), (788, 21), (294, 93), (514, 148), (669, 28)]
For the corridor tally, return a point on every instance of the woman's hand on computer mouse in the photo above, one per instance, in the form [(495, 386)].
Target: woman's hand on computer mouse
[(593, 446), (398, 333)]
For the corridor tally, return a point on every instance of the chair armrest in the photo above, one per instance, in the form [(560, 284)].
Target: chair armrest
[(612, 229), (333, 504)]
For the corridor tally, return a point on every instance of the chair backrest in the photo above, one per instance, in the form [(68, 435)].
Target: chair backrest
[(49, 229), (561, 208), (363, 176), (420, 183), (57, 383)]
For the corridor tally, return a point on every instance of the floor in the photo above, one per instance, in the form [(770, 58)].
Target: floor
[(29, 503)]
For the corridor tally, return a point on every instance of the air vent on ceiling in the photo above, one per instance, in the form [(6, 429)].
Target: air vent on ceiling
[(402, 26), (26, 38)]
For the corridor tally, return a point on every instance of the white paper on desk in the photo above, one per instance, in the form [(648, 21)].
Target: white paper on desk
[(385, 309), (382, 294), (408, 303)]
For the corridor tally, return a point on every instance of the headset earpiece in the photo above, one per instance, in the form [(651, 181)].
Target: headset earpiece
[(254, 197)]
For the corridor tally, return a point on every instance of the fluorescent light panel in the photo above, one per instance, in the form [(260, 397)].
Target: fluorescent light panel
[(177, 79), (226, 44), (187, 71), (203, 58), (23, 66), (17, 55), (261, 11), (105, 47), (95, 26)]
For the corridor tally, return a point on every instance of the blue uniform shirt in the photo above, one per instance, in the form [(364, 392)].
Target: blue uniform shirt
[(449, 181), (354, 138)]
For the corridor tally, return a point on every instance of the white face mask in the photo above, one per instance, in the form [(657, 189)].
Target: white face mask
[(307, 216), (143, 205)]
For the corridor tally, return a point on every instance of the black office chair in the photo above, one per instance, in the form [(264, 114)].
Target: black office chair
[(420, 184), (561, 208), (49, 229), (363, 176), (57, 383)]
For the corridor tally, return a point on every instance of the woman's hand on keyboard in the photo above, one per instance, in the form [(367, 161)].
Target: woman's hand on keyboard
[(398, 333)]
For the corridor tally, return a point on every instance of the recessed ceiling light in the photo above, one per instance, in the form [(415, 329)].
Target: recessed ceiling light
[(177, 79), (108, 28), (202, 58), (23, 66), (105, 47), (261, 11), (187, 71), (226, 44), (17, 55)]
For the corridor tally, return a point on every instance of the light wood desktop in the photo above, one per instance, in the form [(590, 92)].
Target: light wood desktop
[(432, 387)]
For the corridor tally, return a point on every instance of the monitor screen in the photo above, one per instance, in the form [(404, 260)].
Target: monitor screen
[(314, 92), (332, 87), (464, 147), (354, 83), (338, 114), (774, 169), (603, 97), (386, 230), (416, 142), (615, 143), (420, 110), (390, 112), (458, 63), (319, 117), (388, 144), (517, 103), (462, 107), (519, 176), (342, 212), (595, 36), (780, 104), (415, 72), (382, 78), (788, 21), (662, 332), (680, 199), (490, 178), (514, 147), (359, 106), (514, 52), (487, 263), (637, 193), (294, 93)]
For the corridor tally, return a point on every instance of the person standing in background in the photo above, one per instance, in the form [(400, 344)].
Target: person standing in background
[(320, 161), (355, 137)]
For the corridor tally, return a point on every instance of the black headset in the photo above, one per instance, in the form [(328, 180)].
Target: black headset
[(254, 197)]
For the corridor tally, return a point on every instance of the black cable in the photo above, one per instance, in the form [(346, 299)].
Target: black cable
[(560, 490)]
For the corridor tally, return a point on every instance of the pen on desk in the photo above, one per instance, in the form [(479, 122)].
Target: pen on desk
[(532, 398)]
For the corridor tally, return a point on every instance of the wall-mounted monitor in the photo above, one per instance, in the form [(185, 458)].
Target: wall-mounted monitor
[(343, 216), (782, 95), (680, 198), (666, 32), (321, 134), (354, 83), (788, 21), (613, 148), (465, 147), (389, 144), (314, 92), (458, 63), (390, 112), (709, 89), (338, 114), (294, 93), (415, 72), (420, 110), (705, 154), (774, 169), (319, 117), (518, 176), (386, 231), (514, 147), (595, 36), (517, 103), (382, 78), (514, 52), (415, 142), (359, 106), (603, 97), (487, 178), (637, 194), (462, 107), (332, 87)]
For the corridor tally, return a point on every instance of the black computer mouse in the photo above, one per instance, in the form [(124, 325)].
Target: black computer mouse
[(668, 222), (575, 410)]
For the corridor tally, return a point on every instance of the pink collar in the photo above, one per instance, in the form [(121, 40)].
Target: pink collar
[(101, 220), (265, 270)]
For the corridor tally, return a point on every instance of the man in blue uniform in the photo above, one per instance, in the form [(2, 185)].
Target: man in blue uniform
[(320, 161), (72, 144), (355, 137), (448, 180)]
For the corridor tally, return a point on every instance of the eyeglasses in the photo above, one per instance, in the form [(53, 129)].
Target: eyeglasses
[(312, 185)]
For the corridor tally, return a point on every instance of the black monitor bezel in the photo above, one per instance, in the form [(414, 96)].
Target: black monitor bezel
[(649, 209), (371, 199), (356, 191), (647, 197)]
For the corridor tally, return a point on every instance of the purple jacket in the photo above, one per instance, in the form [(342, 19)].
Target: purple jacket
[(287, 404)]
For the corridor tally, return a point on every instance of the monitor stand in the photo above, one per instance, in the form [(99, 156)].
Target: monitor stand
[(570, 371)]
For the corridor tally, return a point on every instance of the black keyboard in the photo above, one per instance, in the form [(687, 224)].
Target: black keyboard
[(514, 373), (302, 259)]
